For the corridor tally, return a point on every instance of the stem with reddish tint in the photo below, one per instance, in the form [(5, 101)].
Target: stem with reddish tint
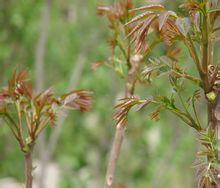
[(28, 168), (120, 129)]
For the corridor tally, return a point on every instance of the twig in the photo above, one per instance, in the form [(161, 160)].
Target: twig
[(120, 129)]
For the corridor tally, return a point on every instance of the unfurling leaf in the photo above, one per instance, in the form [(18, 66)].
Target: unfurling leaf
[(170, 32), (124, 107), (163, 17), (140, 17), (44, 98), (79, 99), (18, 85), (155, 115), (117, 12), (143, 31)]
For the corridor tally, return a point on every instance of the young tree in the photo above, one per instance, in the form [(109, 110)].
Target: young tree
[(196, 28), (27, 114), (125, 61)]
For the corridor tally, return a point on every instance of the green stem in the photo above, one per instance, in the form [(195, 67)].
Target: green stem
[(194, 110), (16, 133), (19, 117), (189, 77), (186, 110), (194, 55), (120, 45), (11, 128)]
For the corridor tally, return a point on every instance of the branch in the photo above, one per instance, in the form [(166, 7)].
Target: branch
[(189, 77), (120, 128)]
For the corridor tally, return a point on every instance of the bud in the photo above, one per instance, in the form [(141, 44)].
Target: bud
[(211, 96), (28, 140)]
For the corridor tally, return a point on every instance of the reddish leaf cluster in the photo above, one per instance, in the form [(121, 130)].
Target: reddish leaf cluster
[(79, 99), (119, 11), (124, 107), (170, 32), (18, 85), (154, 17), (38, 110)]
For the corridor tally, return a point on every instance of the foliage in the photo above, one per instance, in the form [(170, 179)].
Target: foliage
[(197, 32), (18, 104), (27, 114), (75, 29)]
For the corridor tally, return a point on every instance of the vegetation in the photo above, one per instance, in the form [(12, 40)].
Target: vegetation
[(157, 58), (27, 114), (197, 32)]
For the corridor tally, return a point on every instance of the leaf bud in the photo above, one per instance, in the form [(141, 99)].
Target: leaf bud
[(211, 96)]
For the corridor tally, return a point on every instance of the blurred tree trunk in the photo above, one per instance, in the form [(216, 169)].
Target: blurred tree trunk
[(48, 147), (39, 66), (41, 45)]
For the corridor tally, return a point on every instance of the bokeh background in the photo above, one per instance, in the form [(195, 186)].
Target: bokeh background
[(57, 41)]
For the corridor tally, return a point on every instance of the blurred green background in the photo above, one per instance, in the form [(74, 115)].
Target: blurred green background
[(67, 36)]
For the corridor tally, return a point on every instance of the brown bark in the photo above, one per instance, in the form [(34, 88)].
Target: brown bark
[(214, 123), (214, 118), (28, 169), (39, 65), (115, 151), (120, 129), (41, 45)]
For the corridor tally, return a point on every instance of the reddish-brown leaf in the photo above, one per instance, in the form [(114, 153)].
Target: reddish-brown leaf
[(135, 29), (155, 115), (163, 18), (170, 32), (44, 98), (18, 84), (79, 99), (124, 107), (143, 32), (140, 17)]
